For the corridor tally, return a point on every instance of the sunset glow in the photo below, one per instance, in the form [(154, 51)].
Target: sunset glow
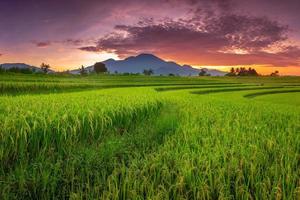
[(217, 34)]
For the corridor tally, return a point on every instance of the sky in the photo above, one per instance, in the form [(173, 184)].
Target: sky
[(220, 34)]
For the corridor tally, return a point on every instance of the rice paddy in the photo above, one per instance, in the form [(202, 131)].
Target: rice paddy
[(137, 137)]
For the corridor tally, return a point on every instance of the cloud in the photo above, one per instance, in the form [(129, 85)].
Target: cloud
[(1, 54), (218, 39), (90, 48), (74, 42), (65, 42), (197, 32), (42, 44)]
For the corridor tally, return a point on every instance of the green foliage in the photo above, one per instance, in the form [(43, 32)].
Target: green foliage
[(242, 71), (17, 70), (45, 68), (202, 72), (99, 67), (275, 73), (141, 137), (148, 72)]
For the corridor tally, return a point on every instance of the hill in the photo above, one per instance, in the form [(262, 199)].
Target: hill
[(8, 66), (137, 64)]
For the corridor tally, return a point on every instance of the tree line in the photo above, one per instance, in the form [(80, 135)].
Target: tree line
[(242, 71), (100, 67)]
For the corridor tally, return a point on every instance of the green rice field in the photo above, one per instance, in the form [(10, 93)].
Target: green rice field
[(139, 137)]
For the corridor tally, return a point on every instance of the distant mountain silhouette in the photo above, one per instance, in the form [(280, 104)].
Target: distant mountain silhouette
[(7, 66), (18, 65), (137, 64), (134, 64)]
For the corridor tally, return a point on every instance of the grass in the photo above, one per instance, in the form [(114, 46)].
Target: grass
[(200, 86), (283, 97), (256, 94), (129, 142), (244, 88)]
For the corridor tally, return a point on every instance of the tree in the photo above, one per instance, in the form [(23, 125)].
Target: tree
[(252, 72), (276, 73), (100, 67), (202, 72), (45, 68), (232, 72), (242, 71), (148, 72), (82, 70)]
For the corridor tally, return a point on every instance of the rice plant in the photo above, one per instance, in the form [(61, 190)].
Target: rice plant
[(109, 139)]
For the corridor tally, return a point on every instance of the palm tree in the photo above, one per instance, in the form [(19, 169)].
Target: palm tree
[(45, 68)]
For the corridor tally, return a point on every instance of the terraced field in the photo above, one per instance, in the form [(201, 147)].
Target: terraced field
[(136, 137)]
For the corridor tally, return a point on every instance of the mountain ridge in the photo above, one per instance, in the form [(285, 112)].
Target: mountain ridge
[(7, 66), (141, 62), (134, 64)]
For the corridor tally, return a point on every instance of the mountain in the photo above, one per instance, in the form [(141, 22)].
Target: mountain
[(137, 64), (7, 66)]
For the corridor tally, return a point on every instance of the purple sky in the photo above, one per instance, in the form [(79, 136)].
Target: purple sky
[(211, 33)]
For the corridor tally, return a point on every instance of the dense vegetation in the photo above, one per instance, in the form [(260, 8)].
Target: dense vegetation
[(242, 71), (141, 137)]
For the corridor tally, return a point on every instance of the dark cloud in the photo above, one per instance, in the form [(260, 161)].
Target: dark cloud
[(90, 48), (42, 44), (222, 4), (248, 33), (199, 32), (74, 42), (77, 42), (58, 19), (216, 40), (66, 42)]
